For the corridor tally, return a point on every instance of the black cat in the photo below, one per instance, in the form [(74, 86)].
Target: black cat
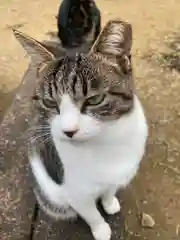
[(79, 22)]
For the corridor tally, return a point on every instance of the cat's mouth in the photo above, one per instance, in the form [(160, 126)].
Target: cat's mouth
[(74, 141)]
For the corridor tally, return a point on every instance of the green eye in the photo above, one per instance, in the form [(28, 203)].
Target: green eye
[(95, 100), (49, 103)]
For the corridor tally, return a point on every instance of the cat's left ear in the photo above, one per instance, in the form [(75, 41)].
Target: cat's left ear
[(38, 53), (115, 42)]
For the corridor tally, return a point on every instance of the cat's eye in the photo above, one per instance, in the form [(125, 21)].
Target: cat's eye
[(49, 103), (95, 100)]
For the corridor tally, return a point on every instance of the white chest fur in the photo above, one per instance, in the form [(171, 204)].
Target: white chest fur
[(112, 158)]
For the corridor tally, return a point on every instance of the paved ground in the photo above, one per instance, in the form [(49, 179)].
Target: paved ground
[(156, 190)]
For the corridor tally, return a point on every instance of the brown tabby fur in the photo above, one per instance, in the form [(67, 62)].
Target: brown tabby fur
[(106, 70)]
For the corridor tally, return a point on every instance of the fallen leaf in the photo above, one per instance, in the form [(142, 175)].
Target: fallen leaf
[(147, 221), (178, 230)]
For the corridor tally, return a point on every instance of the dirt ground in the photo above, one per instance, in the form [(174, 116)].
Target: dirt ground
[(156, 189)]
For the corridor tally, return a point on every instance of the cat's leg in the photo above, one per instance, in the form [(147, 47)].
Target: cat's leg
[(88, 211), (110, 202)]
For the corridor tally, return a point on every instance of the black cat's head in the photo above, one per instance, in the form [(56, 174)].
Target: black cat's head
[(79, 22)]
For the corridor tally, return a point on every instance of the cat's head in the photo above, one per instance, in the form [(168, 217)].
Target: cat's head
[(82, 94)]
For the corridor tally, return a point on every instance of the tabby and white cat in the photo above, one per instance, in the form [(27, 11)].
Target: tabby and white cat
[(91, 131)]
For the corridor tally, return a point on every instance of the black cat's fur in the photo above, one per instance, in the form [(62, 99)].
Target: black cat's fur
[(76, 20)]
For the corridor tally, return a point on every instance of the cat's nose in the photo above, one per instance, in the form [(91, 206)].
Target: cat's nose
[(70, 134)]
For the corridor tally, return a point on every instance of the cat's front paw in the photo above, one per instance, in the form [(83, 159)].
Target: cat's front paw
[(102, 232), (111, 207)]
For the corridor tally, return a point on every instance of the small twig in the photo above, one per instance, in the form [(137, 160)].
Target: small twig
[(174, 169)]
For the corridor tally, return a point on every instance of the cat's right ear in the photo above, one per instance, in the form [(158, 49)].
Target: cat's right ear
[(38, 53)]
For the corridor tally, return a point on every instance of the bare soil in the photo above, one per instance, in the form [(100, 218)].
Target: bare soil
[(156, 23)]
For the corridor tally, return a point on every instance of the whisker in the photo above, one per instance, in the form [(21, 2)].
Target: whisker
[(45, 140), (39, 141), (35, 129), (36, 137)]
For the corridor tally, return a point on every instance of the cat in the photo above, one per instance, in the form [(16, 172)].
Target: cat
[(90, 129), (78, 22)]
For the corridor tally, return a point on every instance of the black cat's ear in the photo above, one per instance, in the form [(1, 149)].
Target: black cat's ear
[(37, 51), (115, 43)]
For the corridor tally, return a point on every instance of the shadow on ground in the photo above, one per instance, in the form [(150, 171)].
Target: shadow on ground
[(5, 100)]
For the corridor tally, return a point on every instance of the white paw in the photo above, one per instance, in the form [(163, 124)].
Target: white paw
[(112, 207), (102, 232)]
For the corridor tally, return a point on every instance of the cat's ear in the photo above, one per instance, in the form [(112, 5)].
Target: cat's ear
[(115, 43), (37, 51)]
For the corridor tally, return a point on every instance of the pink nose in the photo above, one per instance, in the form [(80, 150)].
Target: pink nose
[(70, 134)]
